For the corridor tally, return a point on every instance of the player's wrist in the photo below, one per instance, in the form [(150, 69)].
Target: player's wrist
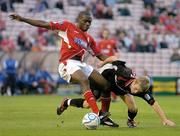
[(22, 19)]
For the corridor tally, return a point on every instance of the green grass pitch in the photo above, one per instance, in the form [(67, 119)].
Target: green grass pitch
[(36, 116)]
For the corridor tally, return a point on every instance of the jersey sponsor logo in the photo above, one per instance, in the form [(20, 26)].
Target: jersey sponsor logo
[(80, 42)]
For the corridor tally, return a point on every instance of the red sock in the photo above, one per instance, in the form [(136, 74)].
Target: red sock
[(105, 103), (91, 101), (113, 95)]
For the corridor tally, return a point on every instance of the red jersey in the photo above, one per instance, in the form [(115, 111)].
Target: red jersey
[(107, 47), (74, 41)]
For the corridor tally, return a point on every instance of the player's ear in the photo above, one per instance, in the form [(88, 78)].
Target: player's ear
[(118, 62)]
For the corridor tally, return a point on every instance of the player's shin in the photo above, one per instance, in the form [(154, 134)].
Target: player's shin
[(88, 95), (105, 103), (132, 114)]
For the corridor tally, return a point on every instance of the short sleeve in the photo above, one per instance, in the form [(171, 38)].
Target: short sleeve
[(148, 98), (59, 25)]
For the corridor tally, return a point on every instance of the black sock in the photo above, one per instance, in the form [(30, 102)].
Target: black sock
[(77, 102), (132, 114)]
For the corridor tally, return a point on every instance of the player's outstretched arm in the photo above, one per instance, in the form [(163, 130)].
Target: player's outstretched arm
[(105, 59), (38, 23), (162, 115)]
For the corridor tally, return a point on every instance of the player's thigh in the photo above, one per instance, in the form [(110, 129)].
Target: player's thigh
[(129, 101), (99, 80), (79, 77)]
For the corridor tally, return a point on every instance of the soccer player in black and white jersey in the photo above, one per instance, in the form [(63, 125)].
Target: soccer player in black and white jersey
[(125, 84)]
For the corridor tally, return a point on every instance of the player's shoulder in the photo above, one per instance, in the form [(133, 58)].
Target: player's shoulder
[(63, 22), (89, 37), (68, 23)]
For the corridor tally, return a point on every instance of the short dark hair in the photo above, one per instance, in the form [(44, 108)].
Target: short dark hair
[(83, 13)]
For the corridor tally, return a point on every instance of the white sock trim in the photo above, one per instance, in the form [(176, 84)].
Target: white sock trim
[(68, 102)]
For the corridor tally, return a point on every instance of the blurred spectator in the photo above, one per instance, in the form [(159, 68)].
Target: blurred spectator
[(128, 41), (51, 38), (108, 13), (176, 5), (149, 3), (110, 2), (60, 5), (2, 23), (41, 30), (101, 30), (41, 5), (149, 16), (120, 34), (23, 42), (21, 81), (10, 66), (172, 40), (160, 7), (31, 81), (175, 57), (100, 8), (123, 1), (1, 36), (18, 1), (76, 2), (6, 5), (35, 39), (45, 81), (143, 45), (2, 79), (162, 42), (131, 32), (108, 45), (7, 44), (124, 11), (92, 6)]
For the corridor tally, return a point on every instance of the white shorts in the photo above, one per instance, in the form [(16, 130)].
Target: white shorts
[(72, 66), (106, 66)]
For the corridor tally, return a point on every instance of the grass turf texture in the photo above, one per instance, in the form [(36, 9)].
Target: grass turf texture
[(36, 116)]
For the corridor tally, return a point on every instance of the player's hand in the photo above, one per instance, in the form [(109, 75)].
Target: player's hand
[(15, 17), (100, 64), (168, 123)]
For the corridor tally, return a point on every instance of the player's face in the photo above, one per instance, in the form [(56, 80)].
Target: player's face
[(105, 34), (135, 87), (84, 22)]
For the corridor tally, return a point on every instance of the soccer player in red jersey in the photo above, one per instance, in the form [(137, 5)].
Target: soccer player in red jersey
[(75, 41), (108, 47)]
